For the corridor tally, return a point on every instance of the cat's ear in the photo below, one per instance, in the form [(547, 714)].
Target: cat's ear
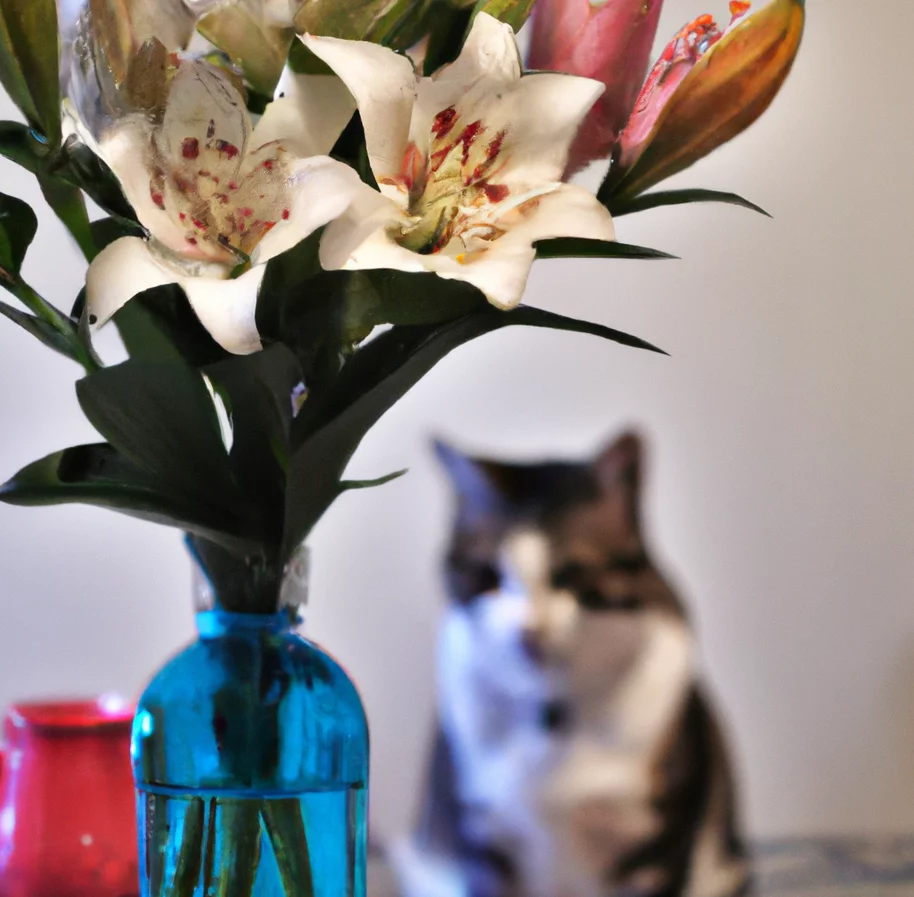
[(469, 477), (620, 472)]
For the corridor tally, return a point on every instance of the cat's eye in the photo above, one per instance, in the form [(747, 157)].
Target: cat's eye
[(628, 563), (469, 578), (485, 577), (568, 576), (593, 599)]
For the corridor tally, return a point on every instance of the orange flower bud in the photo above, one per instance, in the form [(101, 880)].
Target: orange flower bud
[(707, 87)]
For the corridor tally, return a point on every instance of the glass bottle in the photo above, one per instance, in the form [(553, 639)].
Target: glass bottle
[(250, 757)]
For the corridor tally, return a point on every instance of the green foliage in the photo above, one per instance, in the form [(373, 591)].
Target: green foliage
[(51, 326), (295, 412), (394, 23), (513, 12), (161, 416), (70, 207), (159, 325), (582, 247), (449, 25), (621, 206), (100, 475), (330, 427), (18, 226), (64, 175), (29, 63)]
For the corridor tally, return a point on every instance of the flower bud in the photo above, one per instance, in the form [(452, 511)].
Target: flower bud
[(707, 87), (608, 41), (255, 34)]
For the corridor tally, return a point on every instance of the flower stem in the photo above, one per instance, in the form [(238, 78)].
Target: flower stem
[(190, 856), (286, 829), (239, 856)]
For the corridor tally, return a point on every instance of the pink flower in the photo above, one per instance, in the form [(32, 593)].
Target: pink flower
[(609, 42)]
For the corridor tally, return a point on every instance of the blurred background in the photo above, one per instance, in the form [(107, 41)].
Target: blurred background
[(781, 488)]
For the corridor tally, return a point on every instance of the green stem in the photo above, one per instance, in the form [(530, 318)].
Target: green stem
[(190, 857), (286, 830), (43, 309), (209, 859), (156, 842), (240, 853)]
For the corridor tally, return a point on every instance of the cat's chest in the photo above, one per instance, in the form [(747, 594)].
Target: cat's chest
[(588, 784)]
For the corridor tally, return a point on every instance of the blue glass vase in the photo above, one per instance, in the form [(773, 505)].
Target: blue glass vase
[(250, 757)]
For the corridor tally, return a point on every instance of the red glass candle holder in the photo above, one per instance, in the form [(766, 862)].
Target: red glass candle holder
[(67, 814)]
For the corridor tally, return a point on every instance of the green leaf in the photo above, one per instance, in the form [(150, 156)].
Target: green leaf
[(70, 207), (582, 247), (99, 475), (61, 178), (159, 325), (513, 12), (448, 29), (350, 148), (322, 315), (40, 329), (622, 206), (17, 229), (257, 392), (330, 427), (18, 226), (370, 484), (161, 416), (80, 167), (29, 62), (18, 145), (106, 230)]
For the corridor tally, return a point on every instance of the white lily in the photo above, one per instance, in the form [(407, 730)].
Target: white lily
[(215, 194), (469, 163)]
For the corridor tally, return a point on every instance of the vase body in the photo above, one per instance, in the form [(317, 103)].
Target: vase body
[(67, 826), (250, 757)]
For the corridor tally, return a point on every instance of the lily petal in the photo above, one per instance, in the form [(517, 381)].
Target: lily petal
[(363, 238), (128, 152), (488, 61), (320, 189), (204, 105), (227, 308), (540, 118), (501, 271), (308, 114), (117, 274), (359, 238), (489, 52), (384, 87)]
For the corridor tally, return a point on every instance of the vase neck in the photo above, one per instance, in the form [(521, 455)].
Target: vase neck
[(247, 586), (218, 623)]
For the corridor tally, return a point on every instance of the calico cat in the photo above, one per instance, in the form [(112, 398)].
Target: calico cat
[(576, 754)]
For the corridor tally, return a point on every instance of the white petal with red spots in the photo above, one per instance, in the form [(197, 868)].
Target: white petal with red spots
[(469, 163), (215, 197)]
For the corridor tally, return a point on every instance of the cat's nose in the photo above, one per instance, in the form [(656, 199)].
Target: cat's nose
[(532, 643)]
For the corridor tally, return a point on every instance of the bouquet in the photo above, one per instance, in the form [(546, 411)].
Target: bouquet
[(279, 285)]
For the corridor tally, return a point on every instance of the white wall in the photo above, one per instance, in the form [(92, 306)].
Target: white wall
[(782, 430)]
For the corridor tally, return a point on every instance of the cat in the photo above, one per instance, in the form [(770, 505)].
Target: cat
[(576, 754)]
